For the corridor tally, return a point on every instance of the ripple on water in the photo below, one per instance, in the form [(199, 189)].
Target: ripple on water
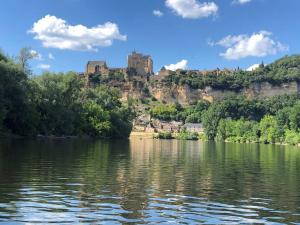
[(153, 182), (46, 207)]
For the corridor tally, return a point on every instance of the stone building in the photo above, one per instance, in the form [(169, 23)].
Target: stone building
[(95, 67), (194, 127), (140, 64)]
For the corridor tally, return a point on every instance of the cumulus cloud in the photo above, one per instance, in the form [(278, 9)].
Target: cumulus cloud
[(157, 13), (241, 2), (36, 55), (253, 67), (43, 66), (192, 9), (54, 32), (51, 56), (257, 45), (180, 65)]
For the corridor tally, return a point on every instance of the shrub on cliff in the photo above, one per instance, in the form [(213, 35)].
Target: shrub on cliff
[(286, 69)]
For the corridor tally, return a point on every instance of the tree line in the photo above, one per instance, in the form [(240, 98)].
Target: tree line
[(286, 69), (61, 104), (239, 119), (57, 104)]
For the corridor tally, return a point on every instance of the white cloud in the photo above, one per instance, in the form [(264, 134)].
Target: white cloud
[(157, 13), (36, 55), (241, 2), (43, 66), (180, 65), (51, 56), (57, 33), (257, 45), (253, 67), (192, 9)]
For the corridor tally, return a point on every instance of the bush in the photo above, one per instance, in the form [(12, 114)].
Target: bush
[(269, 129), (291, 137), (184, 135), (164, 135)]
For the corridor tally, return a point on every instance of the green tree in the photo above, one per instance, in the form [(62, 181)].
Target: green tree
[(25, 55), (211, 118), (222, 130), (268, 129), (96, 120), (294, 117), (291, 137), (16, 110), (164, 112)]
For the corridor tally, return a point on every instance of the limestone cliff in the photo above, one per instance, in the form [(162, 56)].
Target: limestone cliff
[(185, 95)]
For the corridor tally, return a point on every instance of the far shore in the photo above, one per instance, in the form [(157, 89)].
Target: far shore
[(149, 135), (135, 134)]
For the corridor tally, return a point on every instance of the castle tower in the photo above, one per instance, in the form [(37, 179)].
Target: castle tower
[(94, 67), (140, 64)]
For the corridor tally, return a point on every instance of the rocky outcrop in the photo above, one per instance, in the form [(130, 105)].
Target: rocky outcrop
[(185, 95)]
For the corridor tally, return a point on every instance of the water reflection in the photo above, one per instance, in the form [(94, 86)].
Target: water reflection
[(148, 181)]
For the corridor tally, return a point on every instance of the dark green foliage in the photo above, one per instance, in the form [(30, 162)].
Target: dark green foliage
[(66, 107), (239, 119), (184, 135), (284, 127), (238, 130), (168, 112), (211, 118), (58, 104), (15, 107), (164, 135), (286, 69), (268, 127)]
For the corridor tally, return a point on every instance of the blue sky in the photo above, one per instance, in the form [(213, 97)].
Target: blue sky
[(199, 35)]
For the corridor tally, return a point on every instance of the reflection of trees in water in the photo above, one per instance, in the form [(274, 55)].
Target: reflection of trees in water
[(172, 165), (108, 171), (138, 170), (221, 172)]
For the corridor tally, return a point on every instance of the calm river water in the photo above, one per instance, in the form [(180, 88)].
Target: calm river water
[(145, 181)]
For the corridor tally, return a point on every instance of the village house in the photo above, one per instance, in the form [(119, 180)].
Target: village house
[(193, 127), (162, 126)]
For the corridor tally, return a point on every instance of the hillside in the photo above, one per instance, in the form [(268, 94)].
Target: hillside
[(186, 87), (70, 104)]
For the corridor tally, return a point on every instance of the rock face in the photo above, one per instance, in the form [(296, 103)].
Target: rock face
[(185, 95), (141, 88)]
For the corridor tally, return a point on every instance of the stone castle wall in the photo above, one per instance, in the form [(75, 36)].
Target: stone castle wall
[(141, 64)]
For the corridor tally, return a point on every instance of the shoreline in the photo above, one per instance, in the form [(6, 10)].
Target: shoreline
[(133, 134), (155, 136)]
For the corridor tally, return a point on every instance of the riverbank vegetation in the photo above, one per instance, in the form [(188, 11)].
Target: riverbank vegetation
[(237, 119), (61, 104), (183, 135), (57, 104), (274, 120)]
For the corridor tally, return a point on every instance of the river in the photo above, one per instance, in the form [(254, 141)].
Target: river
[(145, 181)]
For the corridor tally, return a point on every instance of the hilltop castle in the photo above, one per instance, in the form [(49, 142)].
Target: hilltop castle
[(138, 65)]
